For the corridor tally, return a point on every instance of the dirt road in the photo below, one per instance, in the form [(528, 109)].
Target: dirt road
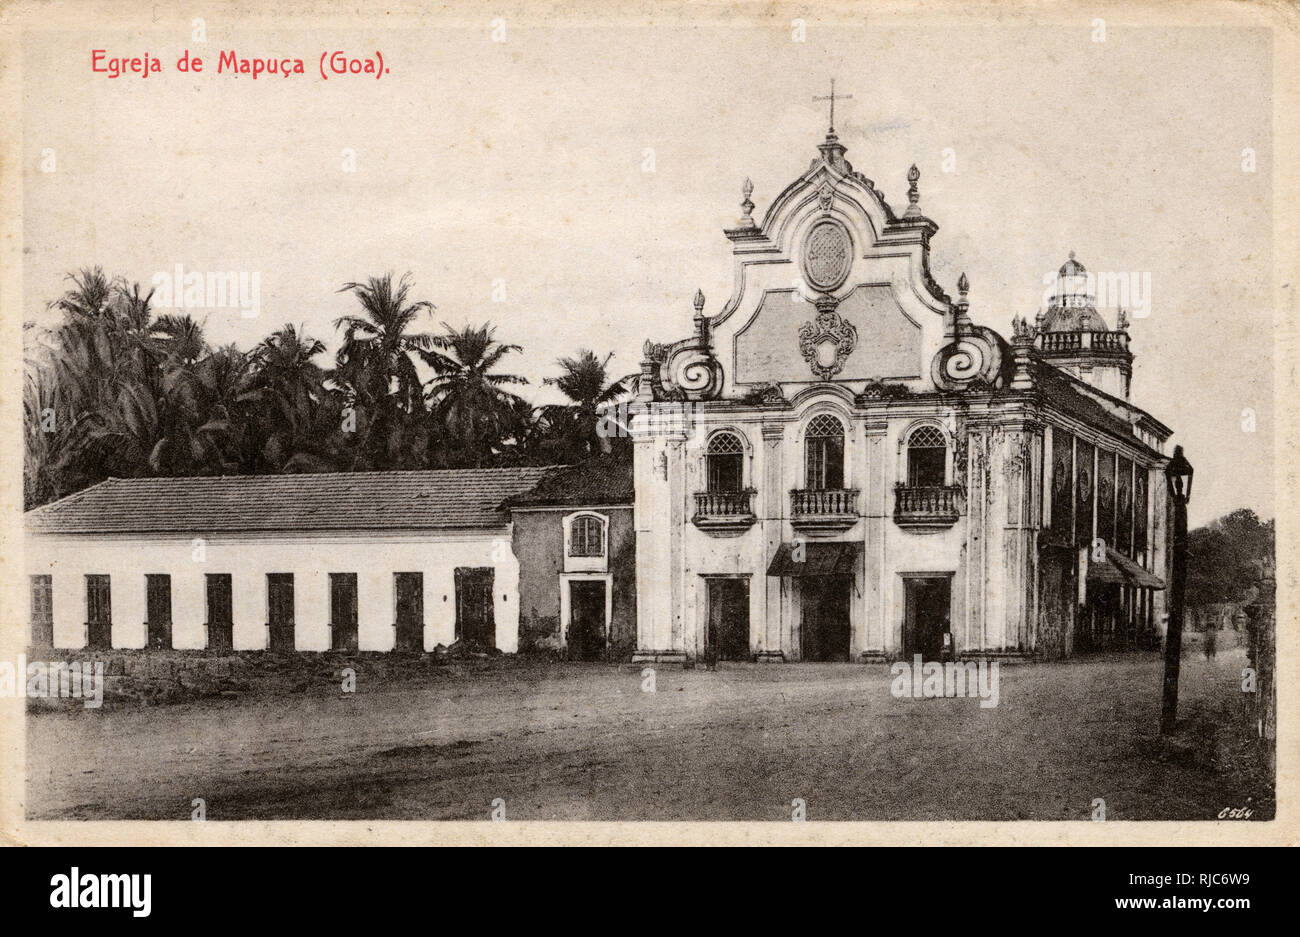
[(574, 741)]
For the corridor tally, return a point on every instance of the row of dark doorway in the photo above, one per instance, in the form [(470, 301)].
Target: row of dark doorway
[(825, 621), (475, 621)]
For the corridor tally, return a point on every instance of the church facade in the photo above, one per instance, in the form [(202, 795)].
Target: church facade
[(860, 472)]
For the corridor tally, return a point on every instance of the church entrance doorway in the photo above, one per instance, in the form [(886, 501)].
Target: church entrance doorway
[(727, 635), (927, 605), (824, 633)]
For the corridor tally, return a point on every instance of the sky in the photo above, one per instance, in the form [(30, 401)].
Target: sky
[(570, 184)]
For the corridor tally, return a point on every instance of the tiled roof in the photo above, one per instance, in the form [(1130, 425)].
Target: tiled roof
[(1068, 395), (604, 479), (455, 498)]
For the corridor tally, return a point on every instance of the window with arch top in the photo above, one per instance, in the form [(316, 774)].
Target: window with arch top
[(927, 456), (587, 536), (725, 461), (824, 453)]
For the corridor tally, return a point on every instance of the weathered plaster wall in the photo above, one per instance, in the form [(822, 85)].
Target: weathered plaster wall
[(539, 544), (248, 558)]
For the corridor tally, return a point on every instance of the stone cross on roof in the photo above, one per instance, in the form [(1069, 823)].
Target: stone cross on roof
[(831, 97)]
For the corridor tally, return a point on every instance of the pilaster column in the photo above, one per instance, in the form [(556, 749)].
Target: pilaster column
[(975, 574), (872, 635), (1017, 469), (773, 499), (659, 516)]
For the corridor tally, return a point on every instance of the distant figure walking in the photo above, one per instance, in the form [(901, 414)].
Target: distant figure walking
[(1211, 637)]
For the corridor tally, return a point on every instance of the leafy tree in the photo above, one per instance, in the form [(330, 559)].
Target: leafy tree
[(1223, 557)]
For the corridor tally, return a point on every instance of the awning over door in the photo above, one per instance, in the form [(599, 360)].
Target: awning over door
[(1118, 569), (818, 559)]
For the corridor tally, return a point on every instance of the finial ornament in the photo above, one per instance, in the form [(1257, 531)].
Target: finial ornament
[(746, 204), (699, 302), (961, 323), (913, 193)]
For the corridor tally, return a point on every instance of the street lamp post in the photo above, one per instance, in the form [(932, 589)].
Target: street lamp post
[(1178, 480)]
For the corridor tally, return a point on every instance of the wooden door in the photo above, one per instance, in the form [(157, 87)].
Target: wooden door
[(158, 609), (1057, 593), (586, 634), (824, 631), (279, 591), (42, 611), (727, 637), (221, 623), (475, 619), (99, 612), (926, 609), (410, 611), (343, 611)]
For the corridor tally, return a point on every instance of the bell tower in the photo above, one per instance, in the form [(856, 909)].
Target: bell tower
[(1073, 336)]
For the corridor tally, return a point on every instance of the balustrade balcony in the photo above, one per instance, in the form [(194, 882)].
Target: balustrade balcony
[(927, 505), (824, 508), (724, 510)]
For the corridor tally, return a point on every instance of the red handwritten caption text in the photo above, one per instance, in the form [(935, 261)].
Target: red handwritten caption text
[(331, 64)]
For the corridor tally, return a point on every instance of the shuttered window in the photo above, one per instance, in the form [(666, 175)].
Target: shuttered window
[(927, 457), (42, 610), (725, 459), (824, 453), (587, 536), (343, 599), (99, 605)]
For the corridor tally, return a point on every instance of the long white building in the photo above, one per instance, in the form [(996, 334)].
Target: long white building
[(367, 561)]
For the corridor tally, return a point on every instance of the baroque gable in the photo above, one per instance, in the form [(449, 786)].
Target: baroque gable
[(832, 286)]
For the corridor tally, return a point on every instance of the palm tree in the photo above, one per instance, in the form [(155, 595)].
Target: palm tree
[(584, 382), (224, 380), (378, 347), (284, 365), (98, 356), (89, 297), (41, 426), (375, 367), (469, 399), (300, 420), (179, 337)]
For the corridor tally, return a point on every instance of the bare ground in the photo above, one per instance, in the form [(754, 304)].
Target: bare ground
[(584, 742)]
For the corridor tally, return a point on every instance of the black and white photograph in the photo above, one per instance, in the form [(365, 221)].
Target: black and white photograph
[(696, 423)]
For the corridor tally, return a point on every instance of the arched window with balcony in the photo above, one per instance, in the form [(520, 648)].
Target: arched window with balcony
[(927, 457), (926, 500), (724, 461), (824, 453)]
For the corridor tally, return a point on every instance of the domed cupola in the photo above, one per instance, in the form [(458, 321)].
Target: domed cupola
[(1072, 307), (1072, 334)]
